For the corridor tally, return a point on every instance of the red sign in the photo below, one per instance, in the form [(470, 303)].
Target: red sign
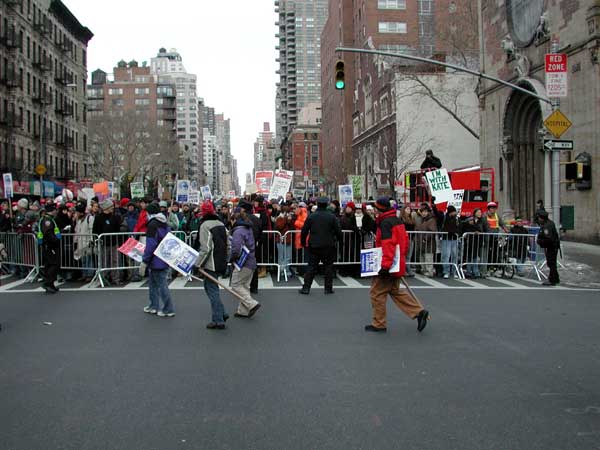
[(556, 62)]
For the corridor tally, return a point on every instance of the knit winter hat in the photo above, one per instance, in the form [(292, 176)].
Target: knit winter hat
[(124, 202), (351, 205), (106, 204), (451, 209), (382, 203), (208, 208), (23, 203), (152, 209)]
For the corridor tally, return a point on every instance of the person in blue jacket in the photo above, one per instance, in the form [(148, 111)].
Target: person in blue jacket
[(157, 268)]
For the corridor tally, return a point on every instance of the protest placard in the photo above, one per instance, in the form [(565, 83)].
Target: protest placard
[(231, 194), (241, 261), (8, 185), (206, 194), (100, 190), (263, 180), (370, 261), (281, 184), (134, 249), (357, 182), (194, 198), (346, 194), (137, 189), (183, 191), (177, 254), (457, 200), (439, 185), (299, 194)]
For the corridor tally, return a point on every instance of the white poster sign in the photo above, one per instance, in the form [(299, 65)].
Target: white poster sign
[(183, 191), (177, 254), (457, 200), (194, 198), (281, 184), (8, 185), (137, 190), (346, 193), (206, 194), (439, 185), (370, 261)]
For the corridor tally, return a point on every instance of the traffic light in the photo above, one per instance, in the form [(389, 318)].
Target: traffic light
[(580, 171), (340, 82)]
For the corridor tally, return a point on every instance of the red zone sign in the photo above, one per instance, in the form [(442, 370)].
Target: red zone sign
[(556, 75)]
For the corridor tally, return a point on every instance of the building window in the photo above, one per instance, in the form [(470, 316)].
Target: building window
[(142, 101), (117, 102), (425, 7), (115, 91), (392, 27), (142, 91), (391, 4)]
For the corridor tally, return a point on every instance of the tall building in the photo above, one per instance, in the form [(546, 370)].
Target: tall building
[(211, 160), (144, 108), (168, 66), (265, 151), (43, 73), (300, 24), (223, 135), (516, 37)]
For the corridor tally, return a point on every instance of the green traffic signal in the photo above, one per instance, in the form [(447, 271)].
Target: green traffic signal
[(340, 82)]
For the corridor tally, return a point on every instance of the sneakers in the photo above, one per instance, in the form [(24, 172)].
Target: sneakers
[(215, 326), (422, 320), (253, 310), (375, 329), (165, 314), (446, 276), (149, 310)]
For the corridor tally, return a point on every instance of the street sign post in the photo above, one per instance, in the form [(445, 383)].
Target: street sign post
[(557, 124), (556, 144), (556, 75)]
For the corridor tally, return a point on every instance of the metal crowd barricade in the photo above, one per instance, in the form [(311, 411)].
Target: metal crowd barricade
[(78, 252), (112, 264), (348, 251), (424, 246), (484, 251), (266, 250), (21, 251)]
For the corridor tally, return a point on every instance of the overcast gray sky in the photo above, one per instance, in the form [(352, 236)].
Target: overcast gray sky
[(228, 44)]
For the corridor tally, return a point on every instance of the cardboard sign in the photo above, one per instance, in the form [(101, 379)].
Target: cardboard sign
[(101, 190), (439, 185), (137, 189), (299, 194), (177, 254), (194, 198), (133, 249), (8, 185), (263, 180), (346, 194), (183, 191), (231, 194), (457, 200), (48, 188), (370, 261), (357, 182), (281, 184)]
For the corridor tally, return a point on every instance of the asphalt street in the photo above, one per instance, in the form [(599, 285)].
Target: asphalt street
[(87, 370)]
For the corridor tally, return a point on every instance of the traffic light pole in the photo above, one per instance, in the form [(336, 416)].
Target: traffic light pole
[(555, 155)]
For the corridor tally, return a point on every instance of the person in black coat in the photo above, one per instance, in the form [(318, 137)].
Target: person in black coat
[(431, 161), (257, 230), (549, 240), (323, 228), (517, 244)]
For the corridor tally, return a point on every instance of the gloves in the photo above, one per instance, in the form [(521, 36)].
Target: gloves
[(142, 269), (384, 272)]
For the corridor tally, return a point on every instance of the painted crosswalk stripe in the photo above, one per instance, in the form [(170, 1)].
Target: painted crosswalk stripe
[(351, 282), (178, 283)]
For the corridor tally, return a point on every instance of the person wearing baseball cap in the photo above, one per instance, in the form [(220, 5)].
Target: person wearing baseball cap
[(549, 239), (391, 236)]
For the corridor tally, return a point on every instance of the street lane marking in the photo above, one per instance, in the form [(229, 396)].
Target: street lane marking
[(12, 285), (350, 282), (177, 283), (431, 282)]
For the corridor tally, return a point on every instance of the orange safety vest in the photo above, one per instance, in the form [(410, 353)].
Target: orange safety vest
[(493, 221)]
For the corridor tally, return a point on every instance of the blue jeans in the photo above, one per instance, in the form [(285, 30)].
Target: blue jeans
[(449, 255), (473, 269), (157, 281), (88, 266), (284, 257), (212, 291)]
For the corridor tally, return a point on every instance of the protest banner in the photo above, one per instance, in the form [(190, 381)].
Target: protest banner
[(281, 184), (263, 180), (36, 188), (194, 198), (137, 189), (231, 194), (370, 261), (299, 194), (346, 194), (251, 188), (8, 185), (177, 254), (100, 190), (134, 249), (439, 185), (111, 189), (183, 191), (357, 182), (206, 194), (241, 261), (457, 200), (48, 188)]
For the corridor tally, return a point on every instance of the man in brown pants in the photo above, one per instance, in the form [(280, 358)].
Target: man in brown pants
[(391, 234)]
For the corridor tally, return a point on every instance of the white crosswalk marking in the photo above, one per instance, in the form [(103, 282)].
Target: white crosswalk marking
[(350, 282)]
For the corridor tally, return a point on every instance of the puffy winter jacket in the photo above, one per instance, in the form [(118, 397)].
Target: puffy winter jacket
[(391, 233), (212, 244), (242, 235), (301, 216), (142, 223), (157, 230), (323, 228)]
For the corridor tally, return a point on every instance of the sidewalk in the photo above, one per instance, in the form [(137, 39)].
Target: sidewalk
[(582, 264)]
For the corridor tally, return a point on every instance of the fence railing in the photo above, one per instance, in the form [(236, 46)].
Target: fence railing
[(98, 257)]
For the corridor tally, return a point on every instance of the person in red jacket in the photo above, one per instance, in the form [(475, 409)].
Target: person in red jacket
[(391, 234), (142, 224)]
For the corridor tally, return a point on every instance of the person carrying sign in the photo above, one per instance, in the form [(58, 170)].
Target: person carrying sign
[(391, 234)]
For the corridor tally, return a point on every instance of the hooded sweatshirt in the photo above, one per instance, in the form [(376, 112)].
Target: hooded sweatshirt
[(157, 230), (242, 235)]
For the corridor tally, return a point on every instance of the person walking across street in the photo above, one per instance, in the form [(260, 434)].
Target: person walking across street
[(549, 239), (390, 235), (49, 237), (212, 244), (323, 228), (242, 240), (157, 268)]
